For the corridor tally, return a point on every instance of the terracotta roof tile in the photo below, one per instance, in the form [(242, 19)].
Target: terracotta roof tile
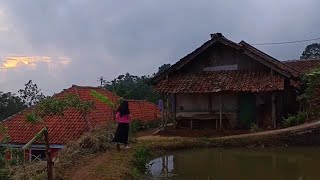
[(209, 82), (72, 125), (304, 66)]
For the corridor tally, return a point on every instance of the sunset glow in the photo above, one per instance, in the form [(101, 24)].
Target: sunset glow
[(11, 62)]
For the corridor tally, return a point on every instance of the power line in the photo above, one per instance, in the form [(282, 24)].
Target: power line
[(286, 42)]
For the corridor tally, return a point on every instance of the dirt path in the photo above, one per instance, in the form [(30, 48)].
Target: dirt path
[(86, 168), (296, 129), (99, 166)]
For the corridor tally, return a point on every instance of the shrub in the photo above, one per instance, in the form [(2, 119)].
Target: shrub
[(141, 158), (294, 120), (254, 128), (152, 124), (135, 126)]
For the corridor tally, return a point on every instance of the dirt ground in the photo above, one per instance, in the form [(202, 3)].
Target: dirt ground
[(99, 166), (200, 132), (186, 132)]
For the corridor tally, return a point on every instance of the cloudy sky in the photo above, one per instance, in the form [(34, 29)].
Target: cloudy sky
[(63, 42)]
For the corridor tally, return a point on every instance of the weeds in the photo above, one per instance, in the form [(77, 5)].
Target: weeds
[(138, 125), (141, 157), (96, 141), (135, 126), (295, 120), (254, 128)]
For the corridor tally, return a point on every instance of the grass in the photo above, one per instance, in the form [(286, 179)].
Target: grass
[(107, 163)]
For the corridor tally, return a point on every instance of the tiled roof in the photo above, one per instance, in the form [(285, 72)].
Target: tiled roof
[(247, 49), (73, 124), (208, 82), (304, 66)]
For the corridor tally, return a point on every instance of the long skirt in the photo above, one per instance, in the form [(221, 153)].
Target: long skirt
[(122, 133)]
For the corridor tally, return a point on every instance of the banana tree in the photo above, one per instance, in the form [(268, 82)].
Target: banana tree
[(104, 99)]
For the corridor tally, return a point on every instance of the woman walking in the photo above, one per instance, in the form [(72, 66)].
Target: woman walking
[(123, 118)]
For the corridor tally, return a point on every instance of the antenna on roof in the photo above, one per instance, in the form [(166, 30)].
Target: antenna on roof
[(102, 81)]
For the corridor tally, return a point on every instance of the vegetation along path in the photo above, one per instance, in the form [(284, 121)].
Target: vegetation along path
[(117, 165)]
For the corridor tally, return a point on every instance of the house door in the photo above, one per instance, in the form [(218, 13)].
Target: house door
[(247, 104)]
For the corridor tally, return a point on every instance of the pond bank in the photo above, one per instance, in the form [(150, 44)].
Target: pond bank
[(122, 165)]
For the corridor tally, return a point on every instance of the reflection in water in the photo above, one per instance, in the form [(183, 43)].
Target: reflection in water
[(161, 166), (239, 164)]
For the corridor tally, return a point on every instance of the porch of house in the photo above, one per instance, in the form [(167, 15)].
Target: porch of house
[(224, 110)]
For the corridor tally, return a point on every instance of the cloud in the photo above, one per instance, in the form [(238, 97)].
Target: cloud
[(108, 38), (15, 61), (11, 62)]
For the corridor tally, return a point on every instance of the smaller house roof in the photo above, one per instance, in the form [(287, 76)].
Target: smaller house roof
[(209, 82), (305, 65), (73, 124)]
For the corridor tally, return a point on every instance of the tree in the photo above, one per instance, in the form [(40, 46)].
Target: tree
[(162, 68), (132, 87), (10, 104), (312, 51), (31, 94)]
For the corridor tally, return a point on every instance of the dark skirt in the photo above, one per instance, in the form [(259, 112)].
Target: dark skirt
[(122, 133)]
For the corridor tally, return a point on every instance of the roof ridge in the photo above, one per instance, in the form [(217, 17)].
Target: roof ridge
[(247, 46), (75, 87)]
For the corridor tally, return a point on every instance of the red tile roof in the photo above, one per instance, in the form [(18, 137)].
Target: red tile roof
[(72, 125), (209, 82), (304, 66)]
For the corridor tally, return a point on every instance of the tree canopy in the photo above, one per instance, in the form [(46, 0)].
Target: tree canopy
[(10, 104), (162, 68), (130, 86), (312, 51), (31, 94)]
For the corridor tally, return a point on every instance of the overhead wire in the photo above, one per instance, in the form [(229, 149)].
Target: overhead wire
[(286, 42)]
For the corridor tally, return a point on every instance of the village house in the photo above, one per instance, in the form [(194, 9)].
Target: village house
[(228, 85), (73, 124)]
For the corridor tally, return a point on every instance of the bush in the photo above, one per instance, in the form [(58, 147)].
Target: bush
[(135, 126), (152, 124), (95, 141), (254, 128), (138, 125), (295, 120), (141, 158)]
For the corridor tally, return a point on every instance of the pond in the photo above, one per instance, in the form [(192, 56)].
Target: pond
[(239, 164)]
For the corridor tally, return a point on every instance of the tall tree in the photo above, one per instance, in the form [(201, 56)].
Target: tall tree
[(312, 51), (162, 68), (132, 87), (31, 94), (10, 104)]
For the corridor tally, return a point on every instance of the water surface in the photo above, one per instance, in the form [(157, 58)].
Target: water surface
[(239, 164)]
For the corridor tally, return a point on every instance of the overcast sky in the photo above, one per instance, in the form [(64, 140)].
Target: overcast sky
[(63, 42)]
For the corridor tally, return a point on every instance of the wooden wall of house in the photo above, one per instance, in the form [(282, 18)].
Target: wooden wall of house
[(188, 105), (222, 55)]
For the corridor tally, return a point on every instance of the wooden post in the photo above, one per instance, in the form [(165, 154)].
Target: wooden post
[(167, 111), (273, 107), (273, 111), (48, 154), (162, 121), (220, 113), (175, 111)]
